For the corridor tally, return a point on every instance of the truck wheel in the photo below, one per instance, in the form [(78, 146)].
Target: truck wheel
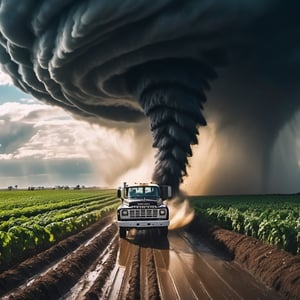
[(164, 231), (122, 232)]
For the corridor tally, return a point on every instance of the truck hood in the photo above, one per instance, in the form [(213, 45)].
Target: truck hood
[(142, 202)]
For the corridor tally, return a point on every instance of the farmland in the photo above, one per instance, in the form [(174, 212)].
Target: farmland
[(274, 219), (33, 220), (65, 245)]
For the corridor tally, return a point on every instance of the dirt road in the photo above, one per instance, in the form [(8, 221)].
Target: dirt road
[(181, 267), (96, 264)]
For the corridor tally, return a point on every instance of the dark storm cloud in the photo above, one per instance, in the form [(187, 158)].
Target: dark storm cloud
[(119, 60)]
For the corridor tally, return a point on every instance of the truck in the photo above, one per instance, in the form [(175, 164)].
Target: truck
[(143, 207)]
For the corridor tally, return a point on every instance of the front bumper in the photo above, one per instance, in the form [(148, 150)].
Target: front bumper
[(143, 223)]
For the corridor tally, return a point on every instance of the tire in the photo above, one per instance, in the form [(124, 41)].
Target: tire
[(122, 232), (164, 231)]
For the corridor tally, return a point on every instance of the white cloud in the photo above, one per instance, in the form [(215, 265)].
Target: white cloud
[(6, 156), (41, 134), (29, 113), (29, 100), (4, 78), (54, 134)]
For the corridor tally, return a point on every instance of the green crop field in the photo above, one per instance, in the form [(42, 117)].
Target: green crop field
[(274, 219), (33, 220)]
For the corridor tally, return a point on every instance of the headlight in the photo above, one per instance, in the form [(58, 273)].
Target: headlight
[(162, 212), (124, 212)]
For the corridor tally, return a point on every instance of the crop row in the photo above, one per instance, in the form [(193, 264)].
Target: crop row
[(35, 205), (23, 235), (276, 222)]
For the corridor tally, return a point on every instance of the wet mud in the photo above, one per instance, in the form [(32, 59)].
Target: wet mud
[(199, 262), (274, 267)]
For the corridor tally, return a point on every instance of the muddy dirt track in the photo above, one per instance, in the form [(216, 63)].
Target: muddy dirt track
[(96, 264)]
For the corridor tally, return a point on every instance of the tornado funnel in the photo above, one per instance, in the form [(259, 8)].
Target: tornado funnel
[(171, 93)]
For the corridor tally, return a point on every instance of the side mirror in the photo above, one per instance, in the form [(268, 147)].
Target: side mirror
[(166, 192), (119, 193)]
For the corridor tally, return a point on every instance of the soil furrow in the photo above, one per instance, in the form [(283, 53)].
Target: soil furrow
[(134, 279), (148, 278), (96, 290), (275, 268), (96, 264), (143, 275), (55, 283), (153, 290), (18, 275)]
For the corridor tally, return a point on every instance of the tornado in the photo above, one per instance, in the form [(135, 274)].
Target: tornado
[(172, 93), (116, 63)]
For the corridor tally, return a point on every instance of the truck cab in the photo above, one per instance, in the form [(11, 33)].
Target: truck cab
[(143, 207)]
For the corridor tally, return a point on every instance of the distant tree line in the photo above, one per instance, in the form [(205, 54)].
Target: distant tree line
[(57, 187), (13, 187)]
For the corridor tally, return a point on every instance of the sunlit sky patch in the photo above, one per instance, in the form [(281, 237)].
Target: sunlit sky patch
[(4, 79), (43, 145)]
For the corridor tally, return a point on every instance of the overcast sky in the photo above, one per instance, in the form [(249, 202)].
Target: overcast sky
[(43, 145)]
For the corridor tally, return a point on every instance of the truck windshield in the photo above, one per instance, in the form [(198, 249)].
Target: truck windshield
[(141, 192)]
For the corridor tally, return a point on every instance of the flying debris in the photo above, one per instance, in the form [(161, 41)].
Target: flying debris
[(124, 60)]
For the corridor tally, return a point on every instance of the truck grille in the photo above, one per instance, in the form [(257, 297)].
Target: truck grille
[(143, 213), (146, 213)]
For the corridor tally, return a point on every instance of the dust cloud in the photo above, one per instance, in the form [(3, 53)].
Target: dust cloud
[(181, 213)]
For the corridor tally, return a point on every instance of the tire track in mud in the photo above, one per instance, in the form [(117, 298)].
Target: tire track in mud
[(183, 267), (135, 275), (188, 271), (142, 266), (149, 279), (91, 283)]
